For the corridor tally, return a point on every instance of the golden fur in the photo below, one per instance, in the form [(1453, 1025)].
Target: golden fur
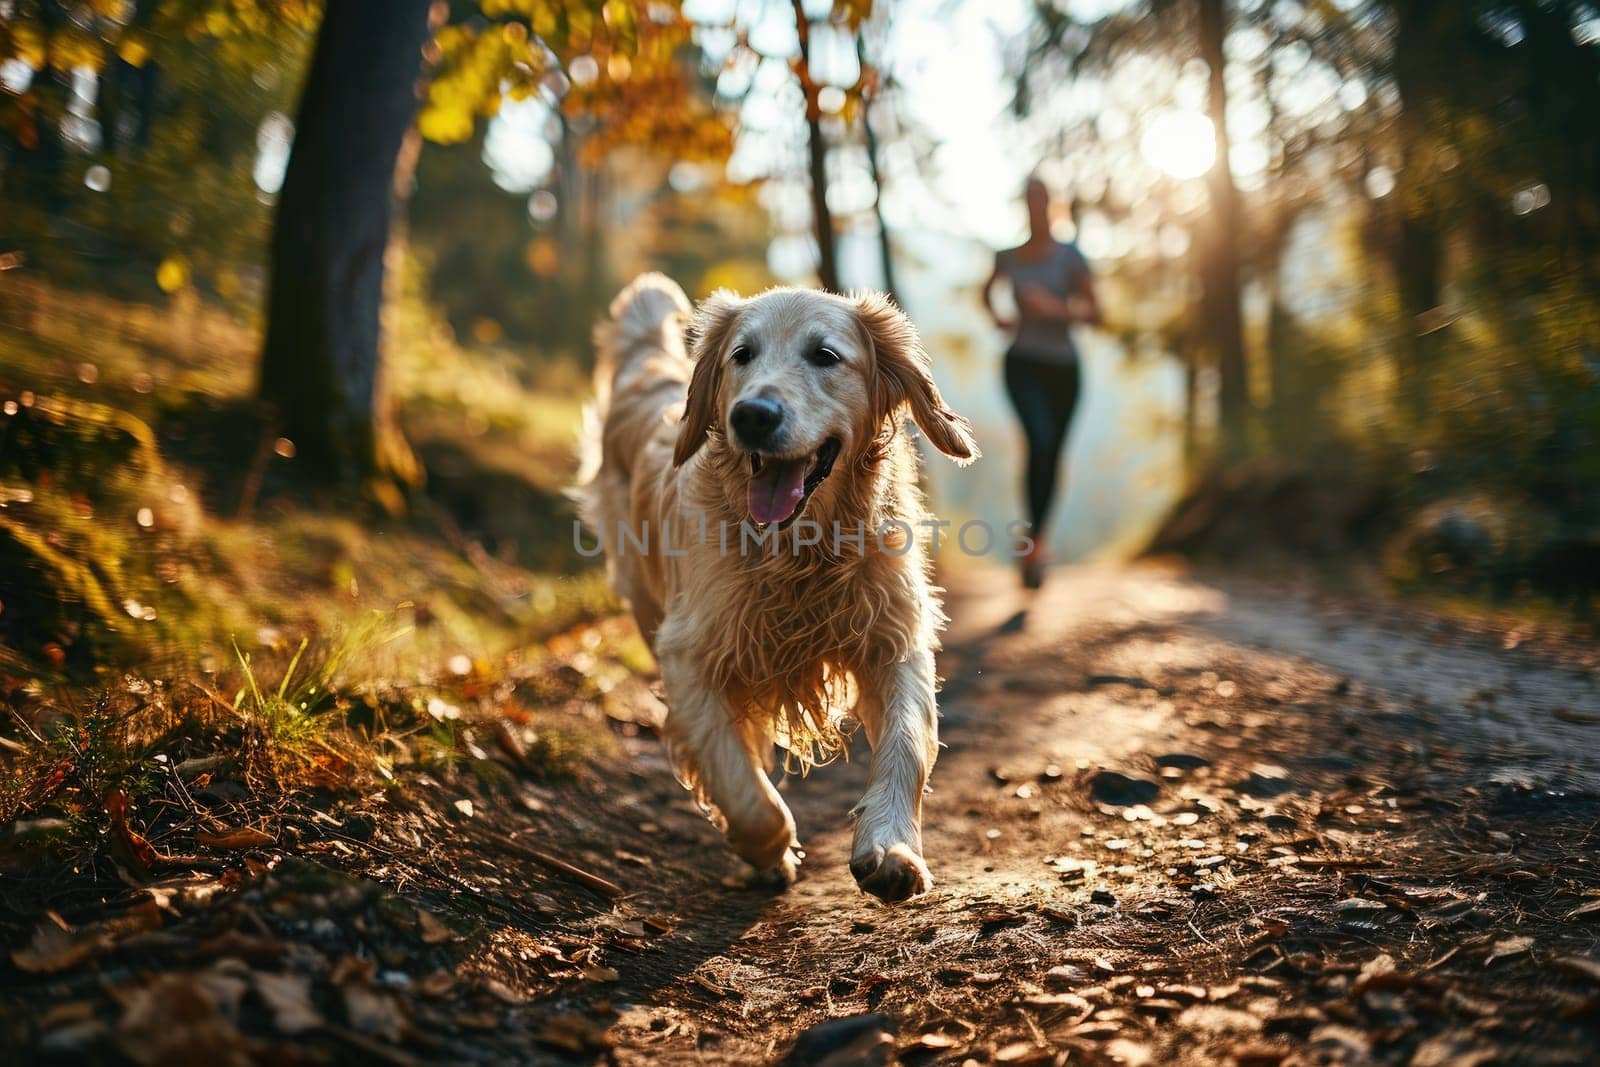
[(776, 641)]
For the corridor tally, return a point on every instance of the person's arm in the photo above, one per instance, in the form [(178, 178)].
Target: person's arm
[(1043, 304), (1079, 305), (988, 298)]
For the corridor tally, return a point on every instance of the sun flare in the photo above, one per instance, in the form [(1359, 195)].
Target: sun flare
[(1181, 143)]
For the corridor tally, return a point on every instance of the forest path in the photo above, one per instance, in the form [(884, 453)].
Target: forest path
[(1178, 823), (1177, 820)]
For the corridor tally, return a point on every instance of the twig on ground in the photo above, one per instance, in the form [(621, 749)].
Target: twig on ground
[(604, 886)]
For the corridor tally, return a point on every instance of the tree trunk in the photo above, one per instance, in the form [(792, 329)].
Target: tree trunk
[(43, 170), (885, 248), (1220, 273), (1419, 33), (126, 103), (321, 365), (821, 217)]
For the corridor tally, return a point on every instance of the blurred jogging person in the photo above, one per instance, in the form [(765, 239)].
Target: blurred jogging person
[(1053, 290)]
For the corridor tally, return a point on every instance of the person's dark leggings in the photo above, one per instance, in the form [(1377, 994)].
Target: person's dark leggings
[(1045, 393)]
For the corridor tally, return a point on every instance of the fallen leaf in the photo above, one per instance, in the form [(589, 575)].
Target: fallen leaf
[(432, 931), (353, 970), (503, 993), (55, 949), (240, 837), (1511, 946), (288, 998), (1191, 993), (186, 1018), (1590, 910), (241, 946), (1064, 974), (436, 984), (510, 744), (477, 1020), (623, 925), (140, 850), (1358, 904), (371, 1011), (1379, 973), (1061, 1000)]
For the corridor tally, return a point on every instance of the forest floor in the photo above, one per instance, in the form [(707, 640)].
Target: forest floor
[(1180, 819)]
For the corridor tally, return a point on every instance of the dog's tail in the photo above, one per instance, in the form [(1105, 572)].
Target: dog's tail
[(647, 317)]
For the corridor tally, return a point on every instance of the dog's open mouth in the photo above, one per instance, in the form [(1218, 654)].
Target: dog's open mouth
[(781, 485)]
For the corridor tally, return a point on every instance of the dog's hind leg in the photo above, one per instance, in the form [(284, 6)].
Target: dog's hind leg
[(720, 759), (899, 712)]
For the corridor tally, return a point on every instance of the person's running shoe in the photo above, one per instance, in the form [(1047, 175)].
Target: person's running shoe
[(1033, 567)]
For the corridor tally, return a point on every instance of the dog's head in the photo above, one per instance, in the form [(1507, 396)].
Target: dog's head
[(794, 379)]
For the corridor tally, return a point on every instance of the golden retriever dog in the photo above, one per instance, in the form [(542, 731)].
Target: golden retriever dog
[(749, 475)]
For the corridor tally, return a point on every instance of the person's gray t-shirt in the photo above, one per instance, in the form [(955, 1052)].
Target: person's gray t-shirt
[(1061, 273)]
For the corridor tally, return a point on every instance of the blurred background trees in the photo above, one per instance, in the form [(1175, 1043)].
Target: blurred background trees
[(624, 90), (1427, 154), (1367, 231)]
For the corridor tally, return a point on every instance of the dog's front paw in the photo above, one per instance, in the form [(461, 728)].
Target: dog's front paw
[(769, 846), (780, 876), (891, 874)]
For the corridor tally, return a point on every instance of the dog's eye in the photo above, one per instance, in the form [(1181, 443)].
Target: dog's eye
[(824, 356), (742, 354)]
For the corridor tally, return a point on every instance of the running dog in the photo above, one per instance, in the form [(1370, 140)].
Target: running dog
[(748, 471)]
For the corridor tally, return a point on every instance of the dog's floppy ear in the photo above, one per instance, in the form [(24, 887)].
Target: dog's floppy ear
[(904, 376), (707, 337)]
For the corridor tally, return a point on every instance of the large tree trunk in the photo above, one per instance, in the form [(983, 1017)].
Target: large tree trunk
[(821, 217), (321, 368), (1219, 263)]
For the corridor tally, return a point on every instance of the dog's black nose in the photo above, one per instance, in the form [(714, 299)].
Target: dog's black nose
[(756, 421)]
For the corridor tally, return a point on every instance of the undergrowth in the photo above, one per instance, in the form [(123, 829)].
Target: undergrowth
[(149, 771), (188, 648)]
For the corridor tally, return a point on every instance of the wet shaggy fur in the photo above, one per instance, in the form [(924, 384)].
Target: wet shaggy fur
[(776, 641)]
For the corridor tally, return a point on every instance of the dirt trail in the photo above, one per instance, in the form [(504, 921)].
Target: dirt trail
[(1305, 855), (1176, 821)]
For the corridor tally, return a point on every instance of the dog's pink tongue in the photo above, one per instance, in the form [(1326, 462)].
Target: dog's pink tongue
[(776, 491)]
